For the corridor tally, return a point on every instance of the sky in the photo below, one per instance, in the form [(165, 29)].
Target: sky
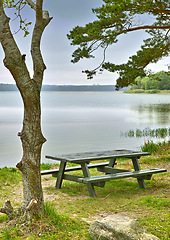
[(57, 51)]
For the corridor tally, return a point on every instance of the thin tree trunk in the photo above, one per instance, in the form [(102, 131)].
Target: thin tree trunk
[(32, 141)]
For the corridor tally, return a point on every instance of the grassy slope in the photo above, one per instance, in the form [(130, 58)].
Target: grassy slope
[(70, 210)]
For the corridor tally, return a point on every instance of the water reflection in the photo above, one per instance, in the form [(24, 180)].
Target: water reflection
[(156, 113)]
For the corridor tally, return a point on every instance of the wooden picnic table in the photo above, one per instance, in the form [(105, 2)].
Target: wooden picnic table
[(107, 168)]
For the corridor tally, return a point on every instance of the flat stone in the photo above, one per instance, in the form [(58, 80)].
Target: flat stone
[(119, 227)]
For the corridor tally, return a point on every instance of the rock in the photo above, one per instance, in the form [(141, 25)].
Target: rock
[(118, 227)]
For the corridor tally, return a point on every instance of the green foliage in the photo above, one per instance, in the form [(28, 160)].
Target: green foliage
[(135, 91), (18, 6), (152, 91), (150, 146), (154, 82), (153, 148), (115, 18)]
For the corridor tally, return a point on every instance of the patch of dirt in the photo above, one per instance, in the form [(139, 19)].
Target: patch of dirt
[(48, 196)]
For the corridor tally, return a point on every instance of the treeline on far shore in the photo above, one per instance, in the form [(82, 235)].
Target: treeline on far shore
[(153, 83), (66, 88)]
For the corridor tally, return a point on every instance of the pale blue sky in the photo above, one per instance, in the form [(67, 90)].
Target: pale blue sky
[(57, 51)]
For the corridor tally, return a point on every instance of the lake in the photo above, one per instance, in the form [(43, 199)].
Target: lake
[(82, 121)]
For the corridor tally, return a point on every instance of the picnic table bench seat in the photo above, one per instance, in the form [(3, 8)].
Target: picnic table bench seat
[(75, 168), (136, 174)]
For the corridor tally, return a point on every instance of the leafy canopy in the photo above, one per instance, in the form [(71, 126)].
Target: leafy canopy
[(18, 5), (115, 18)]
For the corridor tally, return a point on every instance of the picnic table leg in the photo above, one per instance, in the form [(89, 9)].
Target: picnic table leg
[(137, 168), (112, 162), (60, 174), (90, 186)]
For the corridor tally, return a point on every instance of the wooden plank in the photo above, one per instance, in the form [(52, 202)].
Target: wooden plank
[(73, 178), (109, 177), (76, 178), (115, 170), (93, 156), (110, 170), (75, 168), (51, 171)]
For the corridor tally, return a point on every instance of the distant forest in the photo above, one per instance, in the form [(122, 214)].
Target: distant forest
[(157, 81), (67, 88)]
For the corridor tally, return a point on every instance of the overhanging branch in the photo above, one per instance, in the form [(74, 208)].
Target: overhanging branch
[(146, 27)]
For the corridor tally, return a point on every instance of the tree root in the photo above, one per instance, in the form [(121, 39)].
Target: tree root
[(8, 210), (26, 215)]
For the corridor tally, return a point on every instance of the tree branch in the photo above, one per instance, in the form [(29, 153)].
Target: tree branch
[(42, 20), (146, 27), (13, 57), (31, 4), (137, 28), (164, 11)]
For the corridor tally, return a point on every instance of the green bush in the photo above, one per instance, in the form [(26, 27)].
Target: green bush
[(152, 91), (152, 147)]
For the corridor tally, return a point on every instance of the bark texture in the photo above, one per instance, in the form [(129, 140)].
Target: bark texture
[(31, 135)]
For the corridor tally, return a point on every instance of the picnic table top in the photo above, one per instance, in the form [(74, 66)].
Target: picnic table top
[(92, 156)]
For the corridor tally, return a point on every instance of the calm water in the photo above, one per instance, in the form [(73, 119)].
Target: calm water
[(75, 122)]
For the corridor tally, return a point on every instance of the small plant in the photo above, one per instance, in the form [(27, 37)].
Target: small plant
[(152, 147), (131, 133), (139, 133), (161, 132)]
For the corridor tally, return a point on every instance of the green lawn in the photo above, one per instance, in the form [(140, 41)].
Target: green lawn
[(70, 210)]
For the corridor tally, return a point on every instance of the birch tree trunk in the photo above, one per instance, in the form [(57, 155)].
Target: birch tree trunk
[(31, 135)]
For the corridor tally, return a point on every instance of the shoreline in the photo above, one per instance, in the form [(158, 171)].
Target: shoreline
[(151, 91)]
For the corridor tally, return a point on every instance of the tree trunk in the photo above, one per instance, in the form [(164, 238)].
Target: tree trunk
[(32, 141)]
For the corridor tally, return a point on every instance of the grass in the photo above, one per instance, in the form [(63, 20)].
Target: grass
[(47, 166), (9, 177), (70, 210), (158, 148)]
